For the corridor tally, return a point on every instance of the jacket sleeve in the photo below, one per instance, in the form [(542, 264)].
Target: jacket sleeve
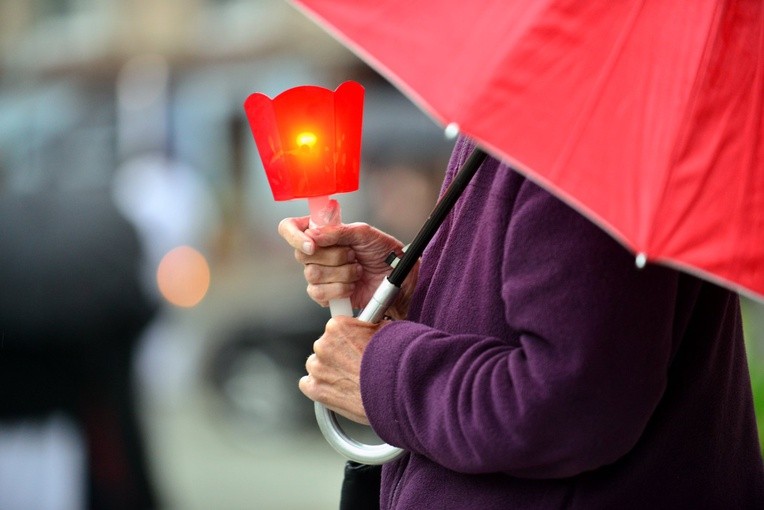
[(571, 390)]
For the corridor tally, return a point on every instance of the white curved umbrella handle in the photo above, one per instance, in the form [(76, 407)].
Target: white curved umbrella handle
[(371, 454), (327, 420)]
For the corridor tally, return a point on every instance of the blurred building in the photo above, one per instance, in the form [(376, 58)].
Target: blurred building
[(86, 84)]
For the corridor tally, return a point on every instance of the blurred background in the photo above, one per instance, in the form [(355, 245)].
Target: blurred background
[(153, 324)]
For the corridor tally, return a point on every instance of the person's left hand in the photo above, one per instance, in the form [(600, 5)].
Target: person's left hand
[(334, 368)]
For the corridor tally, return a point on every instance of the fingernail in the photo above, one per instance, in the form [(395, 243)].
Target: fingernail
[(307, 248), (351, 256)]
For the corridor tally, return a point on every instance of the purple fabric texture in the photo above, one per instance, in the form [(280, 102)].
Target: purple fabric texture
[(539, 368)]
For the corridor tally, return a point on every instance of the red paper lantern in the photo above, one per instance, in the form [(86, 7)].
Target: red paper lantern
[(309, 139)]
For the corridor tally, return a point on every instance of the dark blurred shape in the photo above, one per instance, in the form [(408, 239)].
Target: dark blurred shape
[(71, 312), (254, 373)]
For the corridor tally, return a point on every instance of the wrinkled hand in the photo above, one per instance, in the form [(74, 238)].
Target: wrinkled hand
[(346, 260), (334, 367)]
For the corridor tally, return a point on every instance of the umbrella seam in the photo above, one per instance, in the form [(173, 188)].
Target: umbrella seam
[(566, 151), (687, 109)]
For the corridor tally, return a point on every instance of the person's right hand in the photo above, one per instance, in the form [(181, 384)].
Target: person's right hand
[(345, 261)]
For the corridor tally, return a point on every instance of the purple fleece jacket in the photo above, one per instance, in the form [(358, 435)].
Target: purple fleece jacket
[(539, 368)]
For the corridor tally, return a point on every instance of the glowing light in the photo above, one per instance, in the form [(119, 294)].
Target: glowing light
[(309, 139), (183, 276), (306, 140)]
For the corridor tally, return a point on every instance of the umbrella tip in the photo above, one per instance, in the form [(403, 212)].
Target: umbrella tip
[(452, 130), (641, 260)]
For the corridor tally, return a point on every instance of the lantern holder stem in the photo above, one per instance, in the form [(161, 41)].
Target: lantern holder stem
[(323, 211), (326, 211)]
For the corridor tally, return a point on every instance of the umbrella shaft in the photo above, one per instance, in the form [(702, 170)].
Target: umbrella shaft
[(381, 300), (439, 213)]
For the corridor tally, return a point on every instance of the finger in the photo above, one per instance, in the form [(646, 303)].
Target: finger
[(323, 293), (293, 231), (332, 256), (339, 405), (316, 274), (311, 389), (310, 363), (307, 386), (318, 348), (310, 386)]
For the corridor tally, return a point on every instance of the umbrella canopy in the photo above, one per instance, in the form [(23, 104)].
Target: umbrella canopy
[(645, 115)]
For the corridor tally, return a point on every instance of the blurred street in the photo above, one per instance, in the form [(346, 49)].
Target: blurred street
[(201, 465), (242, 438)]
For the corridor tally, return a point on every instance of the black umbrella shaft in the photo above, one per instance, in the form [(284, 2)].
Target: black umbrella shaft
[(438, 214)]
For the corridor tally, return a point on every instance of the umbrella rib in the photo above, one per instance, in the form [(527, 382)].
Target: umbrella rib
[(566, 151), (680, 144)]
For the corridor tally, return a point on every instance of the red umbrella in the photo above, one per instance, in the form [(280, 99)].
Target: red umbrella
[(646, 115)]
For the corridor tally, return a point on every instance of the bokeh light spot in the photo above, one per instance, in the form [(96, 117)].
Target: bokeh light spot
[(183, 276)]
